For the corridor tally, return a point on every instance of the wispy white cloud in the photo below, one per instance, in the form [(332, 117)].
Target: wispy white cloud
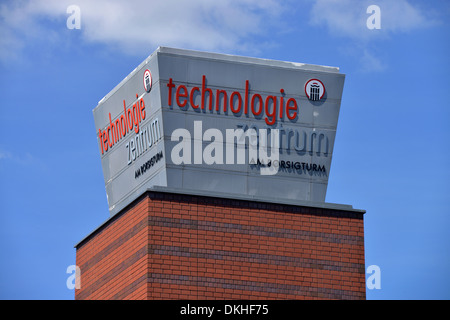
[(140, 25), (5, 155), (22, 159), (348, 17), (369, 62), (235, 26)]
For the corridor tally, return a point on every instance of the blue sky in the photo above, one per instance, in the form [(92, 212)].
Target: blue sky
[(391, 155)]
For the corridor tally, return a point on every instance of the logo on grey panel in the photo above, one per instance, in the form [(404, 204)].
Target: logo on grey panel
[(147, 80), (314, 89)]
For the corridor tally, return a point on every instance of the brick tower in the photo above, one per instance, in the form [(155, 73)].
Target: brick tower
[(216, 169), (168, 245)]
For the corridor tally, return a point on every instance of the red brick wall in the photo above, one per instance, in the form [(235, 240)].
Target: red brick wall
[(170, 246)]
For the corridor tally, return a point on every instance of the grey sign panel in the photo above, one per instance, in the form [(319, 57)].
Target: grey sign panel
[(219, 123)]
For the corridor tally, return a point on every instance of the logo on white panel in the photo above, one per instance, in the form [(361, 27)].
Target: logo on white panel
[(147, 80), (314, 89)]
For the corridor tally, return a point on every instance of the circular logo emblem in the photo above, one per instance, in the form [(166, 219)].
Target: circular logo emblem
[(314, 89), (147, 80)]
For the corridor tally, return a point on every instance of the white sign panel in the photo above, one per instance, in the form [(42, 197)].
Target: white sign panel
[(224, 124)]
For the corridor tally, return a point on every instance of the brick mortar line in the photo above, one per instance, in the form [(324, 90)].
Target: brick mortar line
[(255, 286), (127, 290), (255, 230), (118, 242), (249, 257), (108, 277)]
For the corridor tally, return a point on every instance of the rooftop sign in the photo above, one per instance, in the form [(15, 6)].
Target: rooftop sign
[(219, 123)]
